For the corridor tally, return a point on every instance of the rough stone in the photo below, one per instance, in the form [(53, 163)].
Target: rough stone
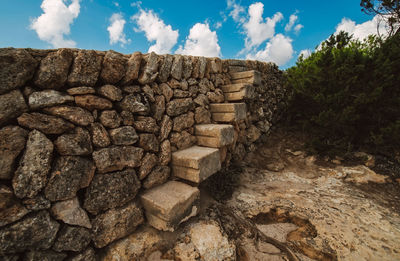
[(11, 208), (124, 135), (195, 67), (54, 68), (75, 144), (72, 239), (177, 107), (111, 92), (66, 177), (132, 89), (202, 115), (165, 69), (12, 142), (149, 161), (167, 91), (150, 71), (92, 102), (177, 67), (31, 175), (166, 127), (113, 68), (204, 86), (187, 67), (181, 94), (149, 92), (17, 67), (146, 124), (75, 115), (37, 231), (99, 134), (214, 135), (44, 123), (110, 119), (37, 203), (149, 142), (12, 105), (127, 118), (87, 255), (253, 133), (85, 68), (216, 96), (203, 65), (135, 103), (48, 255), (116, 223), (100, 197), (158, 107), (159, 175), (81, 90), (165, 153), (182, 140), (117, 158), (70, 212), (133, 67), (202, 100), (183, 121)]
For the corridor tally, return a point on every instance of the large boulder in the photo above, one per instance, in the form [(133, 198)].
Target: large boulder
[(114, 65), (85, 69)]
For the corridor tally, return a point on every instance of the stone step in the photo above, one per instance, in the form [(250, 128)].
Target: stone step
[(170, 204), (196, 163), (228, 112), (249, 77), (247, 93), (214, 135)]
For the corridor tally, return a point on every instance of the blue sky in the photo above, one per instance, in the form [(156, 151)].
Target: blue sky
[(226, 28)]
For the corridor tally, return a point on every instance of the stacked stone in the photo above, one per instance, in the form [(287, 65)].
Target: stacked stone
[(82, 133)]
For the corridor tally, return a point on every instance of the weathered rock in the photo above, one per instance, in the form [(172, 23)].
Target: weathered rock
[(117, 158), (75, 115), (216, 96), (146, 124), (202, 115), (184, 85), (165, 153), (99, 134), (48, 98), (110, 119), (85, 69), (92, 102), (149, 92), (202, 100), (37, 203), (203, 65), (75, 144), (66, 177), (166, 91), (44, 123), (44, 256), (183, 121), (72, 239), (195, 67), (159, 175), (165, 69), (133, 67), (158, 107), (12, 105), (81, 90), (253, 134), (124, 135), (11, 208), (113, 67), (70, 212), (182, 140), (187, 67), (166, 127), (132, 89), (148, 163), (174, 84), (37, 231), (150, 71), (111, 92), (181, 94), (176, 70), (87, 255), (17, 67), (127, 118), (186, 251), (12, 142), (204, 86), (179, 106), (149, 142), (31, 175), (54, 68), (116, 223), (135, 104)]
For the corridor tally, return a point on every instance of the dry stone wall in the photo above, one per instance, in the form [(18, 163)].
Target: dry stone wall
[(83, 132)]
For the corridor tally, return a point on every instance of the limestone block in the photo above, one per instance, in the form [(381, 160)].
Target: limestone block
[(214, 135), (228, 112), (250, 77)]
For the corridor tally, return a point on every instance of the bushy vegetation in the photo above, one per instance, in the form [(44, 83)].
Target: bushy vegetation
[(346, 95)]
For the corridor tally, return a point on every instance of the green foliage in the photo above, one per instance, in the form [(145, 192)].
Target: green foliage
[(347, 94)]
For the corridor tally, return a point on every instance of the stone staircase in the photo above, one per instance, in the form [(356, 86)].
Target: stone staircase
[(174, 202)]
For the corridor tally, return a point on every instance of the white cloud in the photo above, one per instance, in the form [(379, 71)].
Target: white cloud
[(278, 50), (257, 31), (361, 31), (55, 22), (306, 53), (297, 28), (218, 25), (292, 20), (156, 30), (236, 11), (116, 29), (201, 42)]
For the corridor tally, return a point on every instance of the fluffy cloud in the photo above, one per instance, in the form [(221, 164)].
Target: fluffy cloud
[(278, 50), (156, 30), (201, 42), (361, 31), (297, 28), (55, 22), (258, 31), (292, 20), (306, 53), (236, 11), (116, 29)]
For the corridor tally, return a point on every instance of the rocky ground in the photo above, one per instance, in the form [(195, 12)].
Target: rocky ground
[(282, 204)]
